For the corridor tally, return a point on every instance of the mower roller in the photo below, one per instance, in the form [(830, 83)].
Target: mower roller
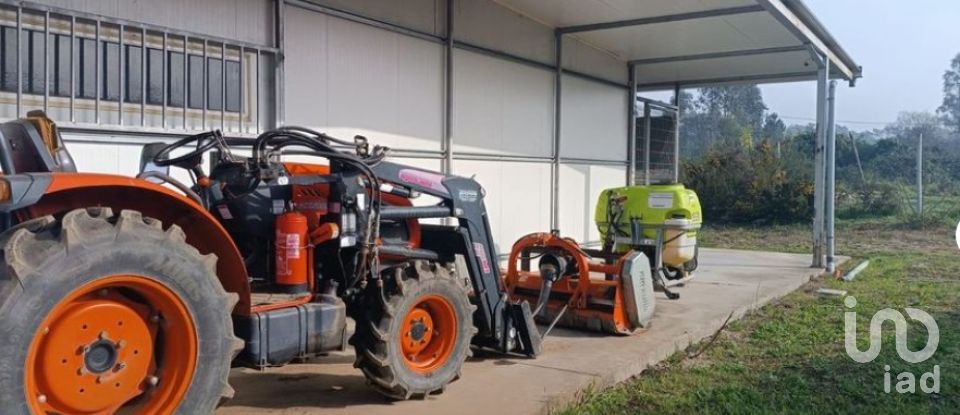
[(138, 294)]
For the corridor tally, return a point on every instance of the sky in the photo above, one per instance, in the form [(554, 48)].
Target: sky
[(904, 48)]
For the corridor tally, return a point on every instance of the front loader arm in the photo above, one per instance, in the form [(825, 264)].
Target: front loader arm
[(502, 325)]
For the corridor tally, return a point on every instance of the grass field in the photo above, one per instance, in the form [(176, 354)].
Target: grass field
[(789, 356)]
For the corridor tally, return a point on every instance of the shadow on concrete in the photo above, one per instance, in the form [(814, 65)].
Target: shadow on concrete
[(321, 383), (313, 389)]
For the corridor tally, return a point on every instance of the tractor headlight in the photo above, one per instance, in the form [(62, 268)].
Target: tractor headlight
[(4, 190)]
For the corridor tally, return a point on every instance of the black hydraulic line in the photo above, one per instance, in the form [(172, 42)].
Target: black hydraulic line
[(404, 252), (414, 212)]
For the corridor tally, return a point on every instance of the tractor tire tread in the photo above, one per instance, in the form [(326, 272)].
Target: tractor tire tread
[(29, 245), (372, 336)]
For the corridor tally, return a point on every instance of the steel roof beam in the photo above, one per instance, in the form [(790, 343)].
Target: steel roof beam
[(803, 33), (661, 19), (693, 83), (718, 55)]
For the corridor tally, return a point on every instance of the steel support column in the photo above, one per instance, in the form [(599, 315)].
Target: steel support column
[(676, 135), (632, 125), (447, 144), (823, 75), (279, 57), (646, 144), (557, 119), (831, 151)]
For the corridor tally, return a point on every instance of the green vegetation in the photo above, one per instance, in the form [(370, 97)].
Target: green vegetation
[(788, 357), (750, 167), (754, 176)]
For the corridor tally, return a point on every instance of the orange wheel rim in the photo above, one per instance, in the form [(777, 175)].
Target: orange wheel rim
[(122, 341), (428, 334)]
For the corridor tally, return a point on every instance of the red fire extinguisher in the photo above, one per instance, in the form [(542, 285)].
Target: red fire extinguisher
[(291, 253)]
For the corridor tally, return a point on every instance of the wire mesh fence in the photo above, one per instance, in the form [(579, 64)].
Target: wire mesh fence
[(656, 158)]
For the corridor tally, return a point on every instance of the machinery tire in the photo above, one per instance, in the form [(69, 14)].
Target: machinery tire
[(92, 266), (421, 288), (692, 264)]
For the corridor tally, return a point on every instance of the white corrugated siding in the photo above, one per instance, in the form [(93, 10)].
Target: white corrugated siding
[(501, 107), (346, 79)]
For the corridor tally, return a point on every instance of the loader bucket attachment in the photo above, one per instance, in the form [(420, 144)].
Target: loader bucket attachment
[(609, 293)]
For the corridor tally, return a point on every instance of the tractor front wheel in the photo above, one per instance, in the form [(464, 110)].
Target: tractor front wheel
[(416, 343), (104, 313)]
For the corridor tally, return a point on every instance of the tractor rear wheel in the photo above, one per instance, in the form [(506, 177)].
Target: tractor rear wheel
[(416, 343), (107, 313)]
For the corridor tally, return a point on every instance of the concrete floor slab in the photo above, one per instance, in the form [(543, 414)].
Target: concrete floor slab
[(728, 282)]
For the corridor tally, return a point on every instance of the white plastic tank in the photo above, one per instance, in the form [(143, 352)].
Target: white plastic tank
[(682, 245)]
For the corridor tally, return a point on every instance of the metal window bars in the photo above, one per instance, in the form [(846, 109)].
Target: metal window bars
[(657, 143), (85, 110)]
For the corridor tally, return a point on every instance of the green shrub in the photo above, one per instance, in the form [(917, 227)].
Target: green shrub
[(867, 199), (742, 184)]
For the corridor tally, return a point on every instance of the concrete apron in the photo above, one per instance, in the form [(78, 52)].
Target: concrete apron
[(727, 282)]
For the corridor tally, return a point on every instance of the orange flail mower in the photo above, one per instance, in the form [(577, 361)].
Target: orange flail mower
[(580, 288)]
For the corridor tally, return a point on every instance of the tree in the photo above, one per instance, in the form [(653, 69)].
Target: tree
[(773, 128), (909, 125), (950, 109), (743, 103), (730, 114)]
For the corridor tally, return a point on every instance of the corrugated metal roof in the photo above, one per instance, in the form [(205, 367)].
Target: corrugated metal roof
[(698, 42)]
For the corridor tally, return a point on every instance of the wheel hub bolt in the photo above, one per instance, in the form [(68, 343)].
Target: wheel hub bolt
[(42, 399), (153, 380)]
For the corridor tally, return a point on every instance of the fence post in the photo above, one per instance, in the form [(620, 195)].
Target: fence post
[(831, 165), (920, 178)]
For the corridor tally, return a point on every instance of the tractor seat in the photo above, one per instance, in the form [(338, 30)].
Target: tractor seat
[(33, 145)]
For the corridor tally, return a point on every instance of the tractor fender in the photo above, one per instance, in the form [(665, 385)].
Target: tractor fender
[(68, 191)]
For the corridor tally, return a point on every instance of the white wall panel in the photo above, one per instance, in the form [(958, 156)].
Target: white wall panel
[(488, 24), (582, 57), (594, 121), (517, 200), (244, 20), (109, 154), (580, 186), (106, 158), (346, 79), (422, 15), (501, 107)]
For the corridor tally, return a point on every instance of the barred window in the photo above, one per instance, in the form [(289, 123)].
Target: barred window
[(31, 59), (175, 79), (57, 59), (86, 63), (154, 76), (195, 81), (60, 65), (213, 78), (133, 66), (8, 58)]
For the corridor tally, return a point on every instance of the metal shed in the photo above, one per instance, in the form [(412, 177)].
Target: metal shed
[(537, 98), (691, 43)]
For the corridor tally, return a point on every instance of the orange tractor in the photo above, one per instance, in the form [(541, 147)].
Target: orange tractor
[(137, 295)]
